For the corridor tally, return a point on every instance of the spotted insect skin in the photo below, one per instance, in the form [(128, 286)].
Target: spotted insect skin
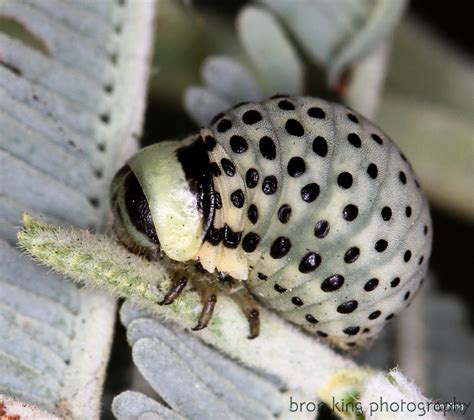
[(318, 212)]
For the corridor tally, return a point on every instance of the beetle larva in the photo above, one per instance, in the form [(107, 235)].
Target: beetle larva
[(305, 202)]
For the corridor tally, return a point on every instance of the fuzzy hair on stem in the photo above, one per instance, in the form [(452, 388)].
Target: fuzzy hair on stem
[(301, 361)]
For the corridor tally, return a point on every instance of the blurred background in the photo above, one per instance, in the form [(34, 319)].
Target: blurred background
[(425, 103)]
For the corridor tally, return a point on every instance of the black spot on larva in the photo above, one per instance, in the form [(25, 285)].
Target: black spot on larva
[(251, 117), (296, 301), (238, 144), (316, 112), (386, 213), (350, 212), (280, 247), (251, 178), (376, 138), (332, 283), (402, 177), (365, 330), (375, 315), (321, 229), (372, 170), (321, 334), (239, 105), (395, 282), (252, 213), (310, 192), (217, 200), (262, 276), (407, 256), (284, 213), (216, 117), (286, 105), (371, 285), (347, 307), (210, 143), (354, 139), (269, 185), (344, 180), (381, 245), (215, 170), (389, 317), (408, 211), (309, 262), (407, 295), (224, 125), (311, 319), (425, 230), (320, 146), (351, 330), (267, 148), (250, 242), (351, 254), (214, 235), (231, 238), (237, 198), (228, 166), (403, 157), (353, 118), (351, 343), (296, 167), (417, 183), (420, 261), (279, 95), (294, 128), (279, 289)]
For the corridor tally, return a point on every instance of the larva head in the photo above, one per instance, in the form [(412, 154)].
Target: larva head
[(155, 207)]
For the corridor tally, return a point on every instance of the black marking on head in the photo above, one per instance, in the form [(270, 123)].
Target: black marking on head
[(197, 169), (137, 206)]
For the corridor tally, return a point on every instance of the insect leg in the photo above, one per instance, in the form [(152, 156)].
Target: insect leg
[(209, 302), (174, 291), (248, 305)]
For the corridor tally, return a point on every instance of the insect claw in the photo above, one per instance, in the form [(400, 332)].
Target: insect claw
[(198, 327), (253, 318)]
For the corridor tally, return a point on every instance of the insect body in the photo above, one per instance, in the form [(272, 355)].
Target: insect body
[(303, 201)]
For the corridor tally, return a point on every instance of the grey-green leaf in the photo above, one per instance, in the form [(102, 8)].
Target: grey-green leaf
[(68, 74)]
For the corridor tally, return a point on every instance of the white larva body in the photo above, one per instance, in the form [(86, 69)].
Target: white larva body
[(316, 210)]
